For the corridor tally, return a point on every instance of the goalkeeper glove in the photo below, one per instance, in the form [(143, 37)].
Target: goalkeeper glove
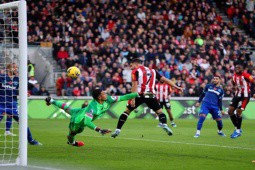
[(48, 101), (102, 131)]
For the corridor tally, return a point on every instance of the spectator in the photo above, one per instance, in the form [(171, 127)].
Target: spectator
[(43, 92)]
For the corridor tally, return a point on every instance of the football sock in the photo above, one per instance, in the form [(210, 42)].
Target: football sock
[(239, 122), (70, 137), (198, 132), (162, 118), (200, 122), (29, 135), (171, 119), (59, 104), (219, 124), (122, 120), (234, 120), (8, 123)]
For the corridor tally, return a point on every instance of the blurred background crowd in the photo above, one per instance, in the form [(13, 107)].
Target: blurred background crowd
[(184, 40)]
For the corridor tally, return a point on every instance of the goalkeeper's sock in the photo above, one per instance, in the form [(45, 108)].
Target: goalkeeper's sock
[(122, 120), (59, 104), (29, 135), (71, 137), (8, 123), (162, 118)]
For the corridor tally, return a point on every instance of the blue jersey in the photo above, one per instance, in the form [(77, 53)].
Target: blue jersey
[(9, 90), (212, 95)]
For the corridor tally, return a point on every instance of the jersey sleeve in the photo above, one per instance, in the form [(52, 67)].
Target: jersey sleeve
[(88, 121), (248, 77), (220, 99), (134, 75), (112, 99), (203, 94), (158, 75)]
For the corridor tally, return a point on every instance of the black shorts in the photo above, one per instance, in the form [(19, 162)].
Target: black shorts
[(166, 104), (152, 103), (240, 102)]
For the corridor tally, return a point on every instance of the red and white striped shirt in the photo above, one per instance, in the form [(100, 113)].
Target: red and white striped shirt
[(242, 82), (146, 79), (163, 92)]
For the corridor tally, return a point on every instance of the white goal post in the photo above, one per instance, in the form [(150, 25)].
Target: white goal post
[(20, 6)]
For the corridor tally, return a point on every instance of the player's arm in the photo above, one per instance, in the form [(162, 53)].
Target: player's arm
[(169, 82), (134, 85), (202, 96), (129, 96), (220, 102), (59, 104), (88, 122), (250, 79)]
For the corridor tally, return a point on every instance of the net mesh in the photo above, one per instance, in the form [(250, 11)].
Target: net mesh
[(9, 140)]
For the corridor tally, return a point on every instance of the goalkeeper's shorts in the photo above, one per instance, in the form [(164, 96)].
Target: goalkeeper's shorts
[(77, 128)]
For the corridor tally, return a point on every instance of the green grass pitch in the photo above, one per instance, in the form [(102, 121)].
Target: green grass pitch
[(142, 145)]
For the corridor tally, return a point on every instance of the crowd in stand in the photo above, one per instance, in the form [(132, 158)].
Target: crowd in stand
[(241, 13), (184, 40)]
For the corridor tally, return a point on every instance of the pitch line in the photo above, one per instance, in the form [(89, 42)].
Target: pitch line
[(175, 142), (40, 167)]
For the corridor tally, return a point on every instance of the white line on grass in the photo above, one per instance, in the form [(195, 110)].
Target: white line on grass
[(39, 167), (175, 142)]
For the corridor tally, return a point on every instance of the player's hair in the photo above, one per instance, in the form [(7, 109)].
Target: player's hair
[(136, 60), (217, 75), (96, 92), (9, 66)]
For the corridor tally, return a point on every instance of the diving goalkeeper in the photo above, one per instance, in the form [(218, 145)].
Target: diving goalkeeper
[(84, 117)]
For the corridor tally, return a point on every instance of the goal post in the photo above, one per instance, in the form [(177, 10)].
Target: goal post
[(8, 42)]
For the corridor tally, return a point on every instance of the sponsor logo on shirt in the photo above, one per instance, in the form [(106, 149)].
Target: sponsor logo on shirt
[(214, 91)]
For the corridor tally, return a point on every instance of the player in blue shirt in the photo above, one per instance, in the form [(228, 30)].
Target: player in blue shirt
[(211, 99), (9, 90)]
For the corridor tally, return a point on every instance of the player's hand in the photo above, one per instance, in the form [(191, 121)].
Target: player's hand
[(104, 131), (197, 104), (48, 101), (180, 89), (254, 96), (223, 112)]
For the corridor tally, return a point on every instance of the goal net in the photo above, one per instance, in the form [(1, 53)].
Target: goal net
[(13, 85)]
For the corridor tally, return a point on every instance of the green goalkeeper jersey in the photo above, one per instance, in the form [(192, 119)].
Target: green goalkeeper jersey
[(85, 116)]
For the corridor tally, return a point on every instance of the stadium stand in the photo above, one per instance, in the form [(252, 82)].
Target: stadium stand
[(186, 41)]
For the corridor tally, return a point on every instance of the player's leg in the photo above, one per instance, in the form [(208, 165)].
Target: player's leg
[(123, 117), (161, 106), (239, 118), (216, 114), (153, 104), (170, 115), (29, 134), (8, 125), (232, 107), (204, 110), (74, 129), (59, 104)]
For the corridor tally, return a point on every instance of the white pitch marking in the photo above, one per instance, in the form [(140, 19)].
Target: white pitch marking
[(175, 142), (39, 167)]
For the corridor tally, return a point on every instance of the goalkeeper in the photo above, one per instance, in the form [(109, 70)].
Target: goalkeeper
[(82, 117)]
